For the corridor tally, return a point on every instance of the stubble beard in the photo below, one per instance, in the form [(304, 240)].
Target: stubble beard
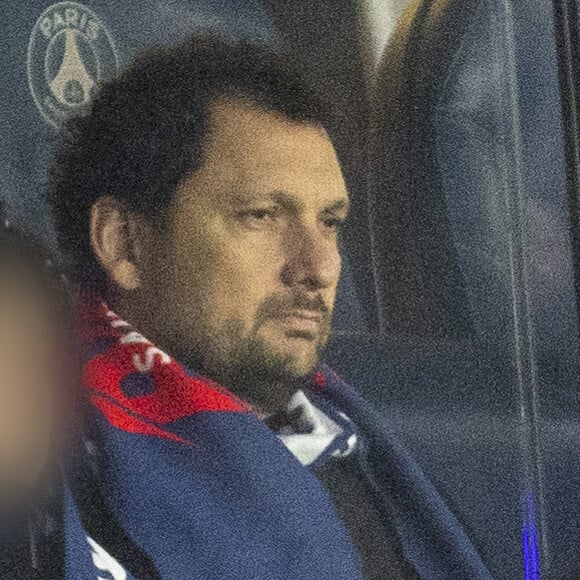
[(246, 365)]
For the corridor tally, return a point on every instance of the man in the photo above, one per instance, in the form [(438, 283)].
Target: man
[(200, 202)]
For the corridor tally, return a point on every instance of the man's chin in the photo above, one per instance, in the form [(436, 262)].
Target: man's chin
[(267, 373), (295, 359)]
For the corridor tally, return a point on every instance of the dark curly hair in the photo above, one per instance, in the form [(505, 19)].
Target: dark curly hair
[(144, 133)]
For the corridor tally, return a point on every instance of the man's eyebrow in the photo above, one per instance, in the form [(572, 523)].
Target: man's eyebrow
[(340, 205), (241, 198), (287, 200)]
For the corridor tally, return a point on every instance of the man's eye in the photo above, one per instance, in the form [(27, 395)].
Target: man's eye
[(259, 214), (333, 223)]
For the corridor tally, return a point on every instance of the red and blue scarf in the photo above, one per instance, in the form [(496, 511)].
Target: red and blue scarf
[(182, 479)]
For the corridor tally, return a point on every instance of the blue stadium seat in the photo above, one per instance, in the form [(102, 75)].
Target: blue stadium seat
[(467, 119)]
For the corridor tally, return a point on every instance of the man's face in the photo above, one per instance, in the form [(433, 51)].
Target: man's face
[(243, 272)]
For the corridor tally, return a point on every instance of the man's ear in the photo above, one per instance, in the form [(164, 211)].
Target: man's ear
[(115, 241)]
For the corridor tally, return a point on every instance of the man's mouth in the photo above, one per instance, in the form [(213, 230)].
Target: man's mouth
[(302, 323)]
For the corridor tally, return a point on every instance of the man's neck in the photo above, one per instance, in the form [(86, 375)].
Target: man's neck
[(268, 395)]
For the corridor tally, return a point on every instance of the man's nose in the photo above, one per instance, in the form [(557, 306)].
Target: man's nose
[(312, 259)]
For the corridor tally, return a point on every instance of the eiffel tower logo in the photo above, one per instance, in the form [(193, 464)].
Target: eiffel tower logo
[(70, 52), (72, 84)]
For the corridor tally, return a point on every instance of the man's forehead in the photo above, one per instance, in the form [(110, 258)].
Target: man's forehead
[(237, 107), (254, 152), (237, 125)]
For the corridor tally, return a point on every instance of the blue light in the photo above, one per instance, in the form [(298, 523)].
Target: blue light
[(530, 539)]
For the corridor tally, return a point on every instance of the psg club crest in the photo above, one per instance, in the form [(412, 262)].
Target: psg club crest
[(69, 53)]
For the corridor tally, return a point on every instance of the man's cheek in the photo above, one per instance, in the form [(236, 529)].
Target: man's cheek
[(238, 294)]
